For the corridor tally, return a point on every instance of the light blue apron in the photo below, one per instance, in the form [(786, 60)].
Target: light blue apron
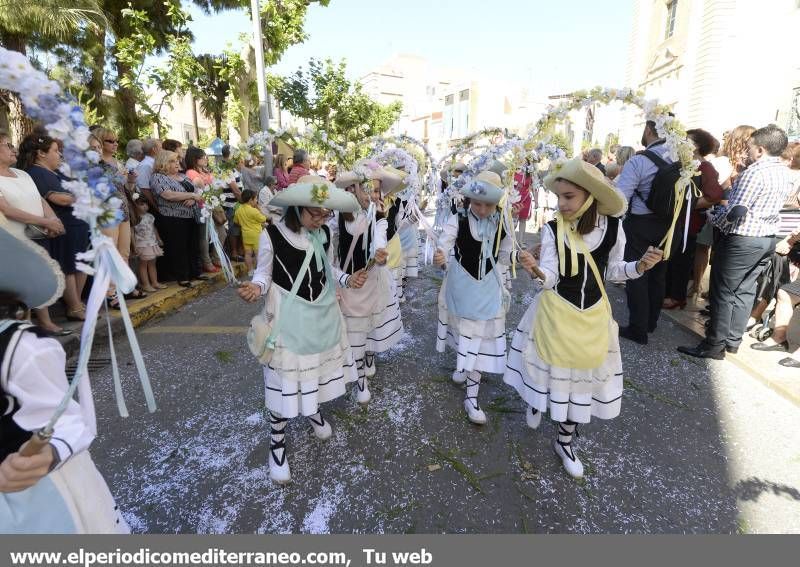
[(468, 298), (39, 509), (322, 317)]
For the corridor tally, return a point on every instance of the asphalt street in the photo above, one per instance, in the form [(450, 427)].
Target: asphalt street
[(700, 447)]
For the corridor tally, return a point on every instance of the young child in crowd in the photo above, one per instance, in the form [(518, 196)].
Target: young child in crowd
[(147, 243), (251, 221)]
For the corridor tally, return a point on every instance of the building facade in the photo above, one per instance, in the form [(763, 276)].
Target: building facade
[(720, 63)]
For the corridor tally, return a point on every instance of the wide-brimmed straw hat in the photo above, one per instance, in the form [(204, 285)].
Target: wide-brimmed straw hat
[(315, 191), (347, 178), (486, 187), (610, 201), (28, 270), (392, 179)]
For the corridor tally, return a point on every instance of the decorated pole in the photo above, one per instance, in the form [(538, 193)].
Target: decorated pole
[(261, 80)]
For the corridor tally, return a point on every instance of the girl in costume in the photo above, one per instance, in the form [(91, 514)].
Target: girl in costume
[(390, 181), (565, 356), (57, 489), (301, 335), (372, 312), (472, 300)]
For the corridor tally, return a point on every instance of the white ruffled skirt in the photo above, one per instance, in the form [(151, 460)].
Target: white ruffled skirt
[(295, 384), (479, 345), (567, 393)]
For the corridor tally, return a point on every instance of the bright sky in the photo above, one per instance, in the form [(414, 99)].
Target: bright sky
[(551, 46)]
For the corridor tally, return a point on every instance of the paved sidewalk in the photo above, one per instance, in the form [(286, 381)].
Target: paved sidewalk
[(154, 306), (761, 365)]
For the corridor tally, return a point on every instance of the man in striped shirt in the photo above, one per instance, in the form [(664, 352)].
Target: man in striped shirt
[(747, 225)]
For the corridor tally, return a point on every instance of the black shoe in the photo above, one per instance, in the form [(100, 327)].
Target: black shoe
[(731, 349), (761, 347), (626, 333), (703, 350), (789, 362)]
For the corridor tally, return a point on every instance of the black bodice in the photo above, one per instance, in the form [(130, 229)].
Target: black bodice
[(468, 250), (287, 262)]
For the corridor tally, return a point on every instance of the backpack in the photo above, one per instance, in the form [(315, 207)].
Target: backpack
[(661, 199)]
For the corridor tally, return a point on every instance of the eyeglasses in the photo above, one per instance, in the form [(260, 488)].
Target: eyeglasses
[(111, 141), (318, 214)]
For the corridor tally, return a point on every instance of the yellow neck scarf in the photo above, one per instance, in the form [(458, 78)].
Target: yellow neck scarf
[(569, 226)]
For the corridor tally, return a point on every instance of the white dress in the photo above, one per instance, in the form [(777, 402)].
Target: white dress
[(296, 383), (568, 393), (74, 497), (480, 344), (372, 313)]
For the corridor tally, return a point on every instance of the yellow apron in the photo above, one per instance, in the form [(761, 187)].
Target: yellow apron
[(566, 336), (395, 250)]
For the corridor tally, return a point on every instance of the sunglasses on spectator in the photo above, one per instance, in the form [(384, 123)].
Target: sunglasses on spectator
[(111, 141)]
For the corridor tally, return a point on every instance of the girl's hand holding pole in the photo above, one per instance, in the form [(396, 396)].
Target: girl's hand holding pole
[(438, 258), (652, 257)]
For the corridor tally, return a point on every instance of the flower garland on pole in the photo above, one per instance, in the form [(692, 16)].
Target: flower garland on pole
[(97, 205), (679, 147), (377, 143), (257, 143)]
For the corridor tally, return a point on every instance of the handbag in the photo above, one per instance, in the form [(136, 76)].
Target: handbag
[(262, 333), (35, 232)]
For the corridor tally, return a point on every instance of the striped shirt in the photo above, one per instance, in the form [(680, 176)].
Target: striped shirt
[(160, 183), (763, 188)]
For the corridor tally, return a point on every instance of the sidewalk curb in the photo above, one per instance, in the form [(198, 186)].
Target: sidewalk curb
[(754, 370), (156, 306)]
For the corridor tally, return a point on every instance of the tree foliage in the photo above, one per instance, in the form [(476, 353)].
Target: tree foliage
[(323, 96), (212, 87)]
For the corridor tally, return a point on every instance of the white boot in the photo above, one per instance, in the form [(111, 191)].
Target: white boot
[(278, 465), (322, 429), (460, 376), (474, 411), (362, 391), (562, 445), (533, 417), (370, 367)]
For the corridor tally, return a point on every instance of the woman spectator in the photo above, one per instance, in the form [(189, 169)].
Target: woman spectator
[(40, 158), (28, 214), (176, 199), (265, 195), (680, 265), (124, 184), (198, 173), (175, 146), (281, 172), (522, 209), (624, 153), (731, 161)]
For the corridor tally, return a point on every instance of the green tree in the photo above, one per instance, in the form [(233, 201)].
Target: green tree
[(560, 140), (323, 96), (283, 25), (212, 88), (27, 22)]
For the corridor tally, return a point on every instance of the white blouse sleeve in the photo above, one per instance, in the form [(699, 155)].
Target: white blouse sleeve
[(37, 379), (548, 258), (618, 270), (506, 249), (263, 272), (381, 228), (447, 240)]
